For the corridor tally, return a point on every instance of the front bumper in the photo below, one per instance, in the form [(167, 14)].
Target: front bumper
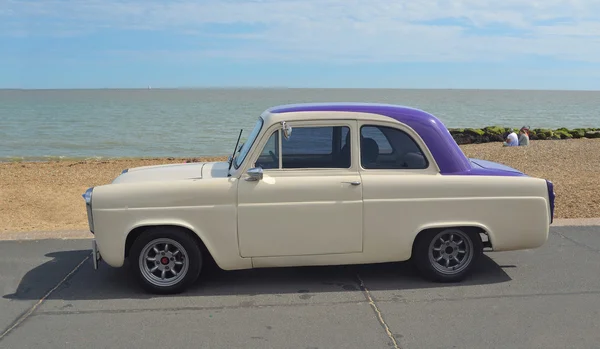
[(96, 257), (87, 196)]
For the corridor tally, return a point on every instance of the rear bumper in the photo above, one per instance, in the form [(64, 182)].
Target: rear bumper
[(551, 198)]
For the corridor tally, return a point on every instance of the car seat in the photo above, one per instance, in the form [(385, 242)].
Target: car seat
[(369, 152), (344, 159)]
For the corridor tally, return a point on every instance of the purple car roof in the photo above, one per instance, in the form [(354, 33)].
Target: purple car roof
[(448, 155), (446, 152)]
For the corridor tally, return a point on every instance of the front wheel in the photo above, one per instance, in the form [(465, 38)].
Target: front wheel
[(447, 255), (165, 260)]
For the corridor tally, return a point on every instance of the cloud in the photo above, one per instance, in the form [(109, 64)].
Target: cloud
[(334, 30)]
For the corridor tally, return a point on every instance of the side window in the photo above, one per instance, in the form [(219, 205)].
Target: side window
[(377, 136), (384, 147), (317, 147), (269, 157)]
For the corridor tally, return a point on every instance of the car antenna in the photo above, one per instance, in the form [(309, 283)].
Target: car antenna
[(232, 155)]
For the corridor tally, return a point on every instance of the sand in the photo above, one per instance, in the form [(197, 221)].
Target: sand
[(46, 196)]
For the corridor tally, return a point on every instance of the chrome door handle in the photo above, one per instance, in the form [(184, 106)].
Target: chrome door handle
[(353, 182)]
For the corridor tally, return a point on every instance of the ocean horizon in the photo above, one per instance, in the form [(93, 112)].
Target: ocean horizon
[(49, 124)]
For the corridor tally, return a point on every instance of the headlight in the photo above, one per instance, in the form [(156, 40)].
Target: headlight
[(87, 196), (125, 171)]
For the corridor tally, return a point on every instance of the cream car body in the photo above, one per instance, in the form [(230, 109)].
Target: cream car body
[(325, 215)]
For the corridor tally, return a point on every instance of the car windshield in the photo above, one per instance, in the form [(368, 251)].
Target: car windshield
[(246, 147)]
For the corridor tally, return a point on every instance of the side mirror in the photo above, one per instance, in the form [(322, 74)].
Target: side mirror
[(255, 174), (287, 130)]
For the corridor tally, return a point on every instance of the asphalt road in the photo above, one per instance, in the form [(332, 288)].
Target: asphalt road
[(544, 298)]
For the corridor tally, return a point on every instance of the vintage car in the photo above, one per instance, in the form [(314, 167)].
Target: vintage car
[(320, 184)]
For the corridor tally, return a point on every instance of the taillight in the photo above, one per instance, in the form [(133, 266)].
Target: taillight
[(551, 197)]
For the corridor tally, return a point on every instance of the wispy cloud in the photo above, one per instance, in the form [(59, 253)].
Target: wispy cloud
[(341, 30)]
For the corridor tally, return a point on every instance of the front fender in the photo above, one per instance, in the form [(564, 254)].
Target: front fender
[(220, 245), (147, 223)]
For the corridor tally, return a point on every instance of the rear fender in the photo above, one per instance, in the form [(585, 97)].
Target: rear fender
[(440, 225)]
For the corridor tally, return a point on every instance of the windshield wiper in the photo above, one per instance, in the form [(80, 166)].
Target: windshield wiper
[(234, 151)]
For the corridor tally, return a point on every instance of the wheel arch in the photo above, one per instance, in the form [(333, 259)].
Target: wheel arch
[(138, 230), (481, 230)]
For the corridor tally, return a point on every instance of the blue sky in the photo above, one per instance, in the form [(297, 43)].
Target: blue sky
[(535, 44)]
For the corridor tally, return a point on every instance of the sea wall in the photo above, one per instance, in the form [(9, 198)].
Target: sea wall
[(498, 134)]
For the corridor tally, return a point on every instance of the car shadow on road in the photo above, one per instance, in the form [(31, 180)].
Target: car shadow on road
[(117, 283)]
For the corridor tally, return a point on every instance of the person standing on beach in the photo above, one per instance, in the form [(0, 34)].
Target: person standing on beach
[(524, 135)]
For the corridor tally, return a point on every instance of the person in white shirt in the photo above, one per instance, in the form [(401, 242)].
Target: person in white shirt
[(512, 140)]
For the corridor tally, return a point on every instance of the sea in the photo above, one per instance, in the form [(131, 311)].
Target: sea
[(41, 125)]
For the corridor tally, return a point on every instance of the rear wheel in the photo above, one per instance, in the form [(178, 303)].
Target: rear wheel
[(165, 260), (447, 255)]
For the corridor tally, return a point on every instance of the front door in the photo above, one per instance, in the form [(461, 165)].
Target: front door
[(309, 201)]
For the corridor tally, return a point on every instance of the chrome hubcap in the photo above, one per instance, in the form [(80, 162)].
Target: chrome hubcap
[(450, 251), (163, 262)]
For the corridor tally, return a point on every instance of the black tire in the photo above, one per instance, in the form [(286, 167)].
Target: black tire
[(436, 271), (177, 240)]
